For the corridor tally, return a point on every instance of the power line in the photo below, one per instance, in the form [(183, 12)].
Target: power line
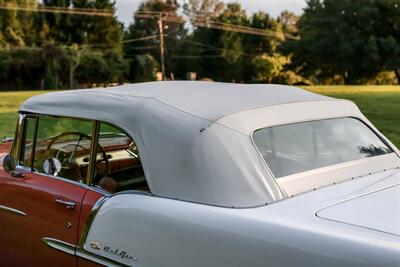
[(139, 39), (216, 48), (235, 28), (167, 16), (186, 41), (60, 10), (204, 22), (196, 57), (145, 47)]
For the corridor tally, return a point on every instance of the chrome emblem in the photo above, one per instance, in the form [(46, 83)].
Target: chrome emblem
[(120, 253), (95, 245)]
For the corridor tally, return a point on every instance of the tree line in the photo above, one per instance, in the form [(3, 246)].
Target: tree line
[(332, 42)]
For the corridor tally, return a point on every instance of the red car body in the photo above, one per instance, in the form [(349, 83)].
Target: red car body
[(32, 208), (5, 148)]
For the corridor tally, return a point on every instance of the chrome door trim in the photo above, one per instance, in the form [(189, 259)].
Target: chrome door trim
[(79, 252), (59, 245), (82, 253), (12, 211)]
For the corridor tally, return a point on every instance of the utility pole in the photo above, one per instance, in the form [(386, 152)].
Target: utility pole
[(162, 53)]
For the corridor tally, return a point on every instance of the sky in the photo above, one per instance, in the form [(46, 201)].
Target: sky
[(125, 8)]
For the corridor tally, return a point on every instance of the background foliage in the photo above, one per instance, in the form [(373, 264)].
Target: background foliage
[(333, 42)]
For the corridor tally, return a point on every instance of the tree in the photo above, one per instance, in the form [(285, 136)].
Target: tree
[(78, 33), (100, 67), (260, 46), (143, 36), (21, 68), (16, 28), (58, 27), (217, 54), (143, 68), (203, 9), (289, 21), (268, 68), (103, 32), (354, 39), (229, 56)]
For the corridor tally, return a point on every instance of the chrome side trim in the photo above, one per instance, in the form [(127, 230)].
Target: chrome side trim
[(84, 186), (97, 258), (59, 245), (79, 252), (12, 211)]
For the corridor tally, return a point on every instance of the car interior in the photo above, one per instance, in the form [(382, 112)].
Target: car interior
[(61, 151)]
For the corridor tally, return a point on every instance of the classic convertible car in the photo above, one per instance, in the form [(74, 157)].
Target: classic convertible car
[(199, 174)]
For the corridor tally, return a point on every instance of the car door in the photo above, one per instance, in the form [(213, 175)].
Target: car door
[(39, 211), (34, 216)]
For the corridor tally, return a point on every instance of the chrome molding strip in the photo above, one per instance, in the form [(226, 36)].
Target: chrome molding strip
[(79, 252), (12, 211), (98, 258), (59, 245)]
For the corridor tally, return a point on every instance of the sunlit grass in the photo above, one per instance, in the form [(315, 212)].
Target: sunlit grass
[(380, 104), (10, 101), (353, 89), (9, 105)]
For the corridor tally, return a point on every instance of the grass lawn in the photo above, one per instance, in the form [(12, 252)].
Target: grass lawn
[(381, 104), (9, 104)]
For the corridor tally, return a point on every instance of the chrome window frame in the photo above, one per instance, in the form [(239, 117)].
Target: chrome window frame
[(88, 182), (17, 147), (21, 138)]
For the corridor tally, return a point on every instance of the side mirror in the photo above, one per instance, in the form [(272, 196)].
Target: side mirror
[(9, 163), (52, 166)]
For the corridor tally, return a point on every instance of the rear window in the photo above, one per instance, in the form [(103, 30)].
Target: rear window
[(299, 147)]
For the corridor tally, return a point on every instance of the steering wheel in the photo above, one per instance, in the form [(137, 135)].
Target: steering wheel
[(66, 164)]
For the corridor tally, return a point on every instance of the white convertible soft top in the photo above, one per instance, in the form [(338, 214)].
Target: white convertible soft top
[(195, 137)]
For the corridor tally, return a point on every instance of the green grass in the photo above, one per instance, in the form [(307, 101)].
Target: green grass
[(381, 104), (9, 104)]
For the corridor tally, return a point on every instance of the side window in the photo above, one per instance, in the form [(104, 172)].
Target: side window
[(63, 147), (123, 168)]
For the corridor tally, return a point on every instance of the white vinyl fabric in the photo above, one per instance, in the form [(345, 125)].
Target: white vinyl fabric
[(186, 153)]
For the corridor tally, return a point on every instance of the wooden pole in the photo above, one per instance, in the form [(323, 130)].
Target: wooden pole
[(162, 52)]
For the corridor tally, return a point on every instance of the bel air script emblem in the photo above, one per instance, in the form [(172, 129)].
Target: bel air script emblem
[(115, 252)]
